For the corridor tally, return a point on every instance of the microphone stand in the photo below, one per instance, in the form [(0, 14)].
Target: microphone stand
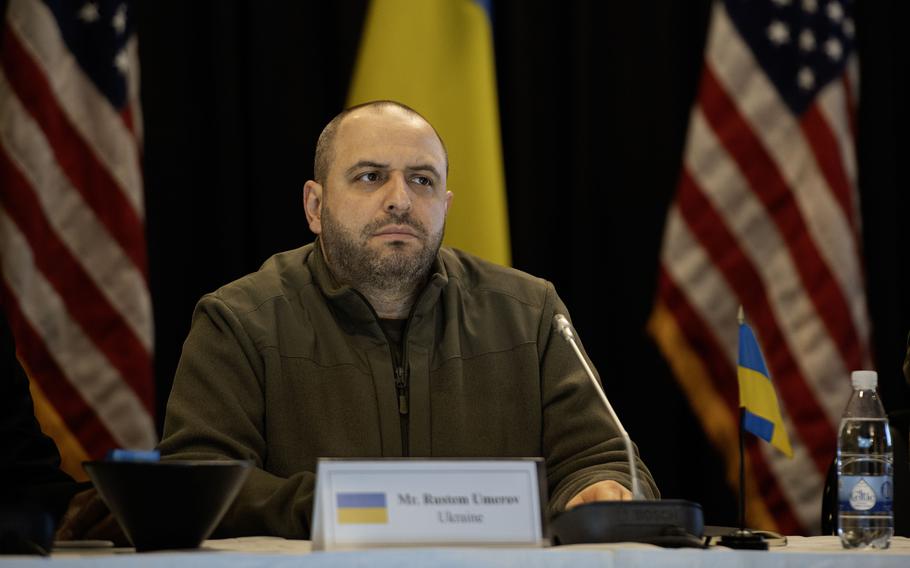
[(669, 522), (565, 329)]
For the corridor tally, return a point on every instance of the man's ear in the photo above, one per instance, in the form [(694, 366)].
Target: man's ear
[(312, 205)]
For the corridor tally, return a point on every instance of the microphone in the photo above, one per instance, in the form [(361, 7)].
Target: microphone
[(669, 522), (564, 328)]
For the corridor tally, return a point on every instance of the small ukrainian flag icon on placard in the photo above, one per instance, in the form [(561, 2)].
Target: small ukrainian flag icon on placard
[(362, 508)]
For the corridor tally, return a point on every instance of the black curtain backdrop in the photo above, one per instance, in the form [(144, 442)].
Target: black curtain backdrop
[(594, 101)]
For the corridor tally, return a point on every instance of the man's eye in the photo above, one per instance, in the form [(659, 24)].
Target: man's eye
[(423, 180), (369, 176)]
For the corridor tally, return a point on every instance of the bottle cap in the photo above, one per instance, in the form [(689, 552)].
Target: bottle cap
[(864, 380)]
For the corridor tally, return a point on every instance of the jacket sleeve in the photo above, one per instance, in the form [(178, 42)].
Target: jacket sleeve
[(216, 410), (581, 443)]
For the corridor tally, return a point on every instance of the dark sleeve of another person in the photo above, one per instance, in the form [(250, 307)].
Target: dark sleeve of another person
[(29, 460)]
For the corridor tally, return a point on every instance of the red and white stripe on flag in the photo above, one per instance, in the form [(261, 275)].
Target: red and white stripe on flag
[(74, 280), (766, 216)]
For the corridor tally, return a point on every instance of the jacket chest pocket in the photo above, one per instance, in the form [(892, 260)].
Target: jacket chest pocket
[(315, 411), (487, 405)]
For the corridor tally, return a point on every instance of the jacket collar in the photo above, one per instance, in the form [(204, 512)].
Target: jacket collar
[(353, 306)]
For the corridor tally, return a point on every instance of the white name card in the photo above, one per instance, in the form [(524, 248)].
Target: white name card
[(402, 502)]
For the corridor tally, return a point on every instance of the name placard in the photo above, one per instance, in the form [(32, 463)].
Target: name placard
[(401, 502)]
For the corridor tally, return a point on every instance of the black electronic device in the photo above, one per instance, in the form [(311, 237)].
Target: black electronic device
[(672, 523)]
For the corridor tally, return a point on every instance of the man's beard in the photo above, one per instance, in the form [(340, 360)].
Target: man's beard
[(394, 269)]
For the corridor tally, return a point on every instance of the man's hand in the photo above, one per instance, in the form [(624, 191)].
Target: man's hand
[(88, 518), (600, 491)]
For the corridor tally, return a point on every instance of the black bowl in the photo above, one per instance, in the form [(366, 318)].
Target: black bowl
[(168, 504)]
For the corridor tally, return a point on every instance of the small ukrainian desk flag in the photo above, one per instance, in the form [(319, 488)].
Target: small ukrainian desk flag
[(362, 508), (761, 412)]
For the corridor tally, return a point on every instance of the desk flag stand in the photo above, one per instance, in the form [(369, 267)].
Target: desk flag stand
[(759, 413), (743, 538)]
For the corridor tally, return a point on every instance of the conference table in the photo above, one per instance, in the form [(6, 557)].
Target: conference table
[(268, 552)]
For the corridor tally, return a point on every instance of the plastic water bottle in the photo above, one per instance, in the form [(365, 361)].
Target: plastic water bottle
[(864, 468)]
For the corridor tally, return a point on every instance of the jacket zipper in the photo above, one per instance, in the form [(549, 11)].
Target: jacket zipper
[(401, 379), (401, 385)]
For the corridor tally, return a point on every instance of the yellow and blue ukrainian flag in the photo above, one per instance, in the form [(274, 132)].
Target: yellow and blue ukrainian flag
[(362, 508), (761, 412), (436, 56)]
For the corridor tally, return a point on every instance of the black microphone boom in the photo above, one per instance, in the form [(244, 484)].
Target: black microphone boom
[(669, 522)]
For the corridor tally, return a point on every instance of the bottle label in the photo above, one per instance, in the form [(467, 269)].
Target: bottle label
[(865, 493)]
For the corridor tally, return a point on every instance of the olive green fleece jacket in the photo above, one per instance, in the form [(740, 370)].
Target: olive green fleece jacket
[(285, 366)]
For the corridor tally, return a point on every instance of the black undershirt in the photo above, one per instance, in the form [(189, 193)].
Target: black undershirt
[(394, 330)]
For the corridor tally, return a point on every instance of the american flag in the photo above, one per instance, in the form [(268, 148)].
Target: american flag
[(72, 245), (766, 216)]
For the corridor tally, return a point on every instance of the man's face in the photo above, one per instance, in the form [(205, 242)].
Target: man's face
[(381, 212)]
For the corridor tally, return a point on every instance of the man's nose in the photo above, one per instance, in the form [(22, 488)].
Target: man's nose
[(398, 196)]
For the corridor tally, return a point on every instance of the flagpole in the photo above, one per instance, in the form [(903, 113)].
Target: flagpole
[(742, 469), (743, 538), (741, 317)]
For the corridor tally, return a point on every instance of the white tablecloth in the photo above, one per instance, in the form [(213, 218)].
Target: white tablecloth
[(264, 552)]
